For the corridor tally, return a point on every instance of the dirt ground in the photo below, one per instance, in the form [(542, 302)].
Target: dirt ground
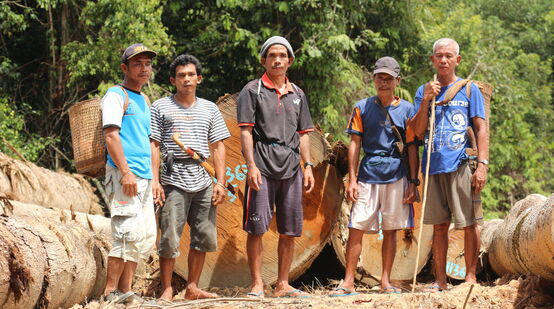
[(506, 292)]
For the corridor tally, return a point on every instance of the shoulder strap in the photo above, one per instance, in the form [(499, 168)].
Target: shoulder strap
[(453, 90), (146, 99), (393, 126), (259, 86), (126, 102)]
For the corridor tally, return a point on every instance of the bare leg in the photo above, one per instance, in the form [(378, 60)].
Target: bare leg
[(440, 248), (388, 252), (196, 262), (285, 253), (166, 272), (114, 271), (471, 251), (126, 279), (353, 251), (254, 249)]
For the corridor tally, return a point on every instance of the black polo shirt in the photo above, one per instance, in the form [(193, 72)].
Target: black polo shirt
[(277, 120)]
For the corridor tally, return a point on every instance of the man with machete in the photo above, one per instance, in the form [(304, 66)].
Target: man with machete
[(274, 122), (188, 192), (126, 126), (450, 180)]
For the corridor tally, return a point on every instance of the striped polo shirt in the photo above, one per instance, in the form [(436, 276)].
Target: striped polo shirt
[(198, 126)]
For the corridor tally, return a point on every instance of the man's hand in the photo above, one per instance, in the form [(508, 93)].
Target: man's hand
[(129, 184), (309, 180), (254, 178), (352, 192), (410, 194), (218, 195), (158, 193), (479, 178), (432, 89)]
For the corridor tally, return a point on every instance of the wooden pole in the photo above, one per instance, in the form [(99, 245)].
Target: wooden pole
[(426, 182)]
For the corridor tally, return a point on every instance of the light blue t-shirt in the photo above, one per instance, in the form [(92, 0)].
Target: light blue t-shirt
[(381, 163), (134, 128), (451, 121)]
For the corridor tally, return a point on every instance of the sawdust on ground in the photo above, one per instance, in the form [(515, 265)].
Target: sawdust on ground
[(506, 292)]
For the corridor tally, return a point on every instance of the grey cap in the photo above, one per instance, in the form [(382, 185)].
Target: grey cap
[(387, 65), (136, 49), (276, 40)]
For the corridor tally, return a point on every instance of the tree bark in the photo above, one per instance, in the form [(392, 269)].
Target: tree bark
[(524, 242), (370, 263), (50, 258), (28, 183), (228, 266)]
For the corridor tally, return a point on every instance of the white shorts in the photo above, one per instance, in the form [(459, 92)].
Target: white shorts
[(381, 204), (133, 218)]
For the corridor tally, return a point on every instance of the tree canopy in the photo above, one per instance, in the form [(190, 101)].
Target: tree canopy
[(57, 52)]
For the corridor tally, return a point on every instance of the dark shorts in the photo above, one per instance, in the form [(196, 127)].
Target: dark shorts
[(194, 208), (285, 195)]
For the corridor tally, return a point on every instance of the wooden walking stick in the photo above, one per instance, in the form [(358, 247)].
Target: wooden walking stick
[(426, 182), (194, 155)]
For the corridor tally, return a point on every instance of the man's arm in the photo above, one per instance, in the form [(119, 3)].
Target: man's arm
[(353, 159), (219, 166), (305, 153), (254, 178), (115, 149), (157, 190), (479, 178), (420, 121), (410, 195)]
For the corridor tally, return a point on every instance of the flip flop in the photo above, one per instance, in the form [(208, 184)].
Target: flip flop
[(290, 294), (391, 290), (347, 292), (255, 295), (434, 288)]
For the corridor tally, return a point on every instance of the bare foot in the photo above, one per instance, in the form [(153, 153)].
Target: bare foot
[(343, 289), (256, 291), (167, 294), (471, 279), (196, 293), (285, 290)]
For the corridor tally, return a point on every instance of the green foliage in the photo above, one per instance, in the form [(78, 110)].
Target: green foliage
[(13, 130), (111, 26)]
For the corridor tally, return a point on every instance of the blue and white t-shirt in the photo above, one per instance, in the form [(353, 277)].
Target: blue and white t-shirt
[(198, 126), (451, 121), (381, 163), (134, 128)]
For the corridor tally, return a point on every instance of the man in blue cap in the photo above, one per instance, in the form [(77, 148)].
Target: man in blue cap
[(126, 126), (274, 119)]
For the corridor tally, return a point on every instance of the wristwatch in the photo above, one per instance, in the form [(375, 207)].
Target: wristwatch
[(414, 181), (308, 163), (486, 162)]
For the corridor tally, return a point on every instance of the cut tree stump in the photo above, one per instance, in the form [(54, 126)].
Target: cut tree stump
[(28, 183), (524, 242), (47, 263), (228, 266), (370, 263)]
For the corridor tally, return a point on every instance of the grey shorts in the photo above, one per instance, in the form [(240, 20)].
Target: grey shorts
[(194, 208), (449, 198), (285, 195)]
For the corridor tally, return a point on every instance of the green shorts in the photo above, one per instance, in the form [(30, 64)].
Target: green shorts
[(449, 199), (194, 208)]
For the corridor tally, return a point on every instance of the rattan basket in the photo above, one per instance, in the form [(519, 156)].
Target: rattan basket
[(85, 121)]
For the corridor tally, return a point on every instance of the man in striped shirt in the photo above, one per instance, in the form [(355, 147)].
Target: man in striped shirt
[(188, 192)]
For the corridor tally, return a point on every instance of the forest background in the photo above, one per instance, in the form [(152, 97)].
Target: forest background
[(54, 53)]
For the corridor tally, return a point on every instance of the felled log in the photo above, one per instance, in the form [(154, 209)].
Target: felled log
[(47, 263), (28, 183), (524, 242), (369, 267), (455, 258), (228, 266)]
